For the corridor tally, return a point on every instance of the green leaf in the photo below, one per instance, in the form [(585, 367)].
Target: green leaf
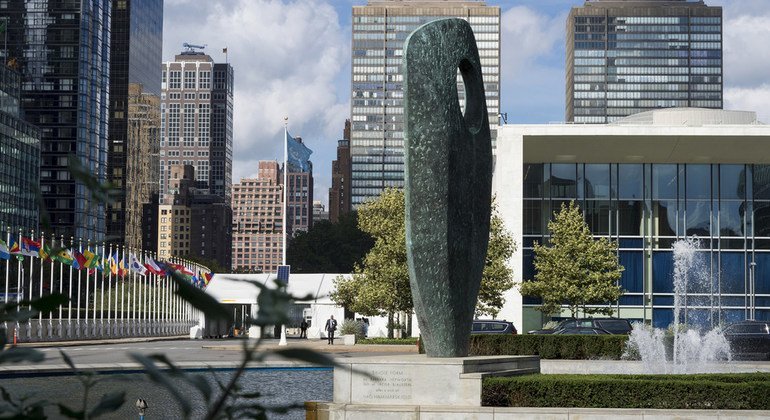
[(21, 354), (109, 403), (306, 355), (67, 360), (200, 300), (49, 303), (100, 192), (69, 413)]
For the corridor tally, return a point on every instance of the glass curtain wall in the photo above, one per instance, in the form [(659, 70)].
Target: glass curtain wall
[(646, 208)]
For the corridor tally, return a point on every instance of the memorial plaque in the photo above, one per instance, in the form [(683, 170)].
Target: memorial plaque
[(391, 385)]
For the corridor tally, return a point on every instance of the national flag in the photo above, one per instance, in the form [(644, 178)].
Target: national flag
[(122, 269), (113, 261), (92, 260), (224, 50), (80, 261), (64, 257), (29, 247), (136, 266), (298, 155), (45, 253), (207, 277), (14, 247), (153, 267), (4, 251)]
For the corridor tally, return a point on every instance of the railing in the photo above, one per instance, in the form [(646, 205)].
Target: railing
[(113, 291)]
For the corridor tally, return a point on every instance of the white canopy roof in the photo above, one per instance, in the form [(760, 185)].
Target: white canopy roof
[(235, 288)]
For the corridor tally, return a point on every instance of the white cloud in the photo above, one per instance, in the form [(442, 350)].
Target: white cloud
[(527, 35), (747, 55), (750, 99), (287, 57)]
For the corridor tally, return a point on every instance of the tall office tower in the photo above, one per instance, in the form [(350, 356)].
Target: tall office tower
[(629, 56), (20, 158), (62, 50), (134, 131), (257, 220), (339, 193), (197, 121), (379, 31)]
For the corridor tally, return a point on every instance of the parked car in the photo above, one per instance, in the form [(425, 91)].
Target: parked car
[(611, 325), (492, 326), (749, 339), (582, 331)]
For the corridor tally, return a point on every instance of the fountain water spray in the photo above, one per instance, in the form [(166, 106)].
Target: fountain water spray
[(691, 351)]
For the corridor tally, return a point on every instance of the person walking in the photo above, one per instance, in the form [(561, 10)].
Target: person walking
[(303, 329), (331, 327)]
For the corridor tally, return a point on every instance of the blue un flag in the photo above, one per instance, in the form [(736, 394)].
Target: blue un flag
[(298, 154)]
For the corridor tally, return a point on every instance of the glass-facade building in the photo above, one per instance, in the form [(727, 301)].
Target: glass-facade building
[(625, 57), (19, 159), (62, 50), (645, 187), (134, 127), (377, 114)]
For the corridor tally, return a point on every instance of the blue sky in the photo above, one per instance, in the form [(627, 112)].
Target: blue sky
[(292, 58)]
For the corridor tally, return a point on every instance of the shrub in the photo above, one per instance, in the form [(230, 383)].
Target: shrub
[(707, 391), (549, 346), (412, 341), (350, 326)]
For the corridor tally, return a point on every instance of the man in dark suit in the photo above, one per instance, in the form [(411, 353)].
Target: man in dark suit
[(331, 326)]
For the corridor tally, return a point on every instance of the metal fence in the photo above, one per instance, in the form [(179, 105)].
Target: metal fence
[(113, 291)]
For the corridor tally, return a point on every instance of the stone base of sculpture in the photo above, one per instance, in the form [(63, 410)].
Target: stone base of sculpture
[(400, 384)]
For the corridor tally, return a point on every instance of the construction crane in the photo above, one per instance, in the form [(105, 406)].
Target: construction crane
[(191, 47)]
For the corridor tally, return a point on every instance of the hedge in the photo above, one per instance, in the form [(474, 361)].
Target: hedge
[(708, 391), (412, 341), (549, 346)]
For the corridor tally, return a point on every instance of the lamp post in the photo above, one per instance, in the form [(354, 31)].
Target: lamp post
[(142, 406), (752, 265)]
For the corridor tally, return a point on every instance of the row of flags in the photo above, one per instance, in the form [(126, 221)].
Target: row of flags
[(118, 266)]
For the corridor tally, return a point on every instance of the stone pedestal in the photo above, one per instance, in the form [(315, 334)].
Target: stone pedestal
[(396, 386)]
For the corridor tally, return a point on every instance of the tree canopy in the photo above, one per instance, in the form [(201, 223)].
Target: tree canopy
[(575, 270), (329, 247), (380, 285)]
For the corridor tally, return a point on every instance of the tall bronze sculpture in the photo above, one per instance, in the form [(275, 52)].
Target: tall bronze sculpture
[(448, 172)]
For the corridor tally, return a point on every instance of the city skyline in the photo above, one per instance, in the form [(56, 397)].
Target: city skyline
[(304, 70)]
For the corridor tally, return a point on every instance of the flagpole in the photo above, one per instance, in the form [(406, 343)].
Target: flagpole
[(19, 269), (40, 315), (285, 186), (282, 342), (7, 269)]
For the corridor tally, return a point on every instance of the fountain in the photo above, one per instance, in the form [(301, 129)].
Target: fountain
[(696, 346)]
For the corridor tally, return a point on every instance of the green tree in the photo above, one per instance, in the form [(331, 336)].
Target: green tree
[(329, 247), (575, 270), (497, 276), (380, 286)]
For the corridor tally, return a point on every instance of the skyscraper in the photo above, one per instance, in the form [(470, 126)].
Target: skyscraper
[(134, 131), (62, 50), (258, 215), (20, 158), (629, 56), (339, 193), (197, 121), (379, 31)]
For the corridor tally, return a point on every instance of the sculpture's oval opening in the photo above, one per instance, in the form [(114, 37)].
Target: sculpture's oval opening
[(474, 95)]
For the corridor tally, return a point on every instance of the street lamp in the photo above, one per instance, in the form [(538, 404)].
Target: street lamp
[(752, 296), (141, 405)]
